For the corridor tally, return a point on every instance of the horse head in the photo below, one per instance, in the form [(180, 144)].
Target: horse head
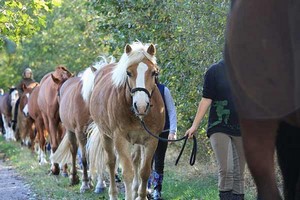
[(27, 90), (60, 75), (137, 70)]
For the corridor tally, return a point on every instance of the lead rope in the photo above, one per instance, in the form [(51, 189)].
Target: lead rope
[(194, 150)]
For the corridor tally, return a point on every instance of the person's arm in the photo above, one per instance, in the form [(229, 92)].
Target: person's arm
[(204, 104), (170, 105)]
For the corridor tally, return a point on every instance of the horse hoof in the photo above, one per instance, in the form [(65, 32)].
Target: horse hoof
[(74, 179), (99, 190), (65, 174), (84, 188), (55, 169)]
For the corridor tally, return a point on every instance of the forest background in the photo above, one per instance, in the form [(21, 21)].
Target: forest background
[(189, 36)]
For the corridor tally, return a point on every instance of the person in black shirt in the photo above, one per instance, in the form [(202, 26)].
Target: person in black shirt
[(223, 131)]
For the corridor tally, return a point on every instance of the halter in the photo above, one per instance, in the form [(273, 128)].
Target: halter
[(138, 89)]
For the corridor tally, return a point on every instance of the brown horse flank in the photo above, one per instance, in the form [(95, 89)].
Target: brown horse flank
[(263, 55), (25, 126), (7, 104), (75, 116), (48, 104), (34, 112), (122, 94)]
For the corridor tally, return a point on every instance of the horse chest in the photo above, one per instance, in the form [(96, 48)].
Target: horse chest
[(137, 137)]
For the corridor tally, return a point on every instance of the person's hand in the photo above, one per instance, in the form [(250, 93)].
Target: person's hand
[(191, 131), (172, 136)]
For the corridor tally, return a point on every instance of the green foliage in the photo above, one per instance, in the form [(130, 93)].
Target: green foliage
[(19, 20), (189, 36)]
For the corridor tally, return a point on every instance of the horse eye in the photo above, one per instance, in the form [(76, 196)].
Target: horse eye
[(129, 74)]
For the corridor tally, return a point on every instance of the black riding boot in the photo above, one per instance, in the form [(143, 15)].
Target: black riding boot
[(238, 196), (225, 195)]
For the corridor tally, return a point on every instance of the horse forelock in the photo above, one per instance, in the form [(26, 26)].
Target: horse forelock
[(138, 53)]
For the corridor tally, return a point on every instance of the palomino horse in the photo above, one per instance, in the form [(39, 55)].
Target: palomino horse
[(48, 104), (124, 94), (263, 54), (7, 104), (74, 114), (33, 111), (25, 126)]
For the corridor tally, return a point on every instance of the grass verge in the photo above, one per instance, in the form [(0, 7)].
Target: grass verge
[(180, 182)]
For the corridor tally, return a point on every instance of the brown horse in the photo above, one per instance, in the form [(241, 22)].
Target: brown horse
[(48, 104), (25, 126), (123, 94), (263, 54), (32, 110), (7, 104), (74, 114)]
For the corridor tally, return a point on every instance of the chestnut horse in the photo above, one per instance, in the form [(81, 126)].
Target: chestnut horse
[(123, 94), (48, 104), (74, 114), (263, 54), (33, 111), (25, 126), (7, 104)]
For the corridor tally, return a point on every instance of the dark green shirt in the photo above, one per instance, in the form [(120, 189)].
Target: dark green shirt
[(222, 115)]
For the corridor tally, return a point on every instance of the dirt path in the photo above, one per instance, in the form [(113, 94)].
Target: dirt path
[(12, 185)]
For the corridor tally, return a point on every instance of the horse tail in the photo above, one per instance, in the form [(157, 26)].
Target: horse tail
[(95, 151), (63, 153)]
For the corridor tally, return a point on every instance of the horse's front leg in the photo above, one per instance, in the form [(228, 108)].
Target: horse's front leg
[(123, 148), (259, 138), (147, 155), (136, 158)]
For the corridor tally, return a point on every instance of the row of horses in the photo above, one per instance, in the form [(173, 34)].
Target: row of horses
[(107, 103), (262, 53)]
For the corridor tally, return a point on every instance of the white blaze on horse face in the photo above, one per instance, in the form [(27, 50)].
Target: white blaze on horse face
[(25, 110), (140, 98)]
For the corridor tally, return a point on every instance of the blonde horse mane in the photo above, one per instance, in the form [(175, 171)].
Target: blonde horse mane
[(138, 53), (88, 76)]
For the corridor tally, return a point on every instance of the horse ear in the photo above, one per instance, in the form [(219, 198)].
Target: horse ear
[(24, 87), (128, 49), (56, 80), (151, 50), (94, 69)]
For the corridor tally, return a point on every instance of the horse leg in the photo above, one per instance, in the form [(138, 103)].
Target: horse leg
[(288, 151), (259, 143), (123, 148), (31, 133), (111, 164), (146, 167), (136, 159), (72, 138), (41, 133), (81, 138), (54, 144), (6, 128)]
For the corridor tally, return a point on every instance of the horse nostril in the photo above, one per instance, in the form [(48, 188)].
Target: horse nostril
[(147, 107), (135, 106)]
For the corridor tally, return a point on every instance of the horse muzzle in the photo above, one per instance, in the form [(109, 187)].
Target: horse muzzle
[(141, 110)]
